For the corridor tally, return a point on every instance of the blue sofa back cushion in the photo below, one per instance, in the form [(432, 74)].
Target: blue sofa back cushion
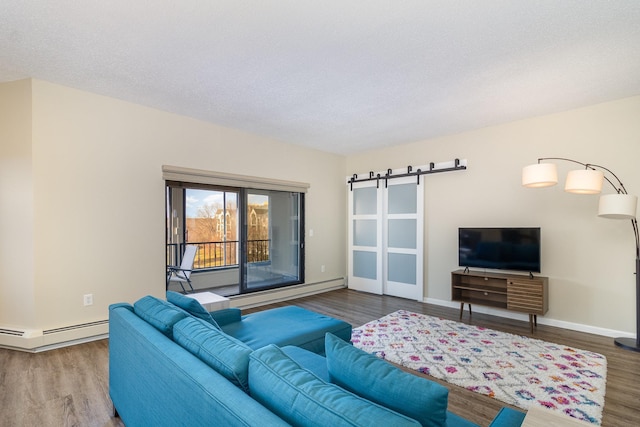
[(379, 381), (311, 361), (191, 306), (226, 355), (302, 399), (158, 313), (226, 316)]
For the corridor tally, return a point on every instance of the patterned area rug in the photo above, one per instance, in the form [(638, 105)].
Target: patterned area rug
[(514, 369)]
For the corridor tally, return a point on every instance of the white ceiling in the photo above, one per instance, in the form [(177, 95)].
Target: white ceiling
[(342, 76)]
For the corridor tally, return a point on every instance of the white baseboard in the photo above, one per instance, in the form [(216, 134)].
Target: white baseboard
[(541, 320)]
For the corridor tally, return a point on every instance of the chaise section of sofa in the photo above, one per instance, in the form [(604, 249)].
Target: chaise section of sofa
[(290, 325), (282, 326)]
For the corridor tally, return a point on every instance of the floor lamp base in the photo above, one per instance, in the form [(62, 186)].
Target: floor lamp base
[(627, 343)]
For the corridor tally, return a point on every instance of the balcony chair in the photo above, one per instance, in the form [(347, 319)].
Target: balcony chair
[(182, 274)]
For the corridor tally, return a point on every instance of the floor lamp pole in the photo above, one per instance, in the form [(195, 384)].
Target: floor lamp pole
[(631, 343)]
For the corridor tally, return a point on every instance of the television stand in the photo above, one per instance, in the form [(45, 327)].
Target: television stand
[(513, 292)]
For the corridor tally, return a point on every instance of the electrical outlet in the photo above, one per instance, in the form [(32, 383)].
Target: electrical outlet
[(322, 269), (88, 299)]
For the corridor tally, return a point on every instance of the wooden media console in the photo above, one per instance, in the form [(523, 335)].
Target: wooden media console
[(513, 292)]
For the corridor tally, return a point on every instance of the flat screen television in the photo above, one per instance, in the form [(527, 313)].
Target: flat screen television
[(516, 249)]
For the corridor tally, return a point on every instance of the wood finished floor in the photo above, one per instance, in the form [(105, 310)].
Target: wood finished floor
[(69, 386)]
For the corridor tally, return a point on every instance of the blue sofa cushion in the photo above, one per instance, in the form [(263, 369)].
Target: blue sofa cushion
[(160, 314), (226, 355), (379, 381), (191, 306), (288, 325), (302, 399)]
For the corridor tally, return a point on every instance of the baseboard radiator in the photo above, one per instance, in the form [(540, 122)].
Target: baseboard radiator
[(11, 332), (75, 327), (33, 340)]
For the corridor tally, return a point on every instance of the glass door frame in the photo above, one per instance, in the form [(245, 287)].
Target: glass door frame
[(297, 233)]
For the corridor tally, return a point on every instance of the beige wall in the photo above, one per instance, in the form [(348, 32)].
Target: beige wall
[(589, 260), (82, 202), (98, 199), (16, 207)]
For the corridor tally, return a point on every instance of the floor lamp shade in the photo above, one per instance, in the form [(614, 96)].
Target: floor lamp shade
[(539, 175), (618, 206), (584, 181)]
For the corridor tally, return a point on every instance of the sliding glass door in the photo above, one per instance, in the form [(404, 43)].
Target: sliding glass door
[(247, 239), (271, 241)]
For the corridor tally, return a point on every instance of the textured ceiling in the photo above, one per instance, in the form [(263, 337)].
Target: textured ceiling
[(341, 76)]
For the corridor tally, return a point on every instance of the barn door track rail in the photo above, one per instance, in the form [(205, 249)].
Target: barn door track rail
[(424, 170)]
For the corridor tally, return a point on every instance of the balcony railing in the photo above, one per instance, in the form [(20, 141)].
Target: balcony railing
[(218, 254)]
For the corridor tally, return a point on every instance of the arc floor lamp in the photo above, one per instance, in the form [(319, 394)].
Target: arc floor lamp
[(620, 205)]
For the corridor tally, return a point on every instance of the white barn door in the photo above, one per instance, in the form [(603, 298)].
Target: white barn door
[(403, 215), (365, 238), (386, 237)]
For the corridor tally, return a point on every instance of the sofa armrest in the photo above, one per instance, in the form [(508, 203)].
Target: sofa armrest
[(508, 417), (226, 316), (121, 304)]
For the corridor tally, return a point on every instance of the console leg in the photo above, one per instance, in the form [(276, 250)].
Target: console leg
[(531, 322), (462, 309)]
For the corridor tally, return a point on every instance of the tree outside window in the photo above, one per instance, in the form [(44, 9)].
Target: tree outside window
[(212, 223)]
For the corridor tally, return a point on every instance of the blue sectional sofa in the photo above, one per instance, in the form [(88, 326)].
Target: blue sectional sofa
[(172, 363)]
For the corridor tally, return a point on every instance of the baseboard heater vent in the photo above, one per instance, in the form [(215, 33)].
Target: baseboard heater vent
[(74, 327), (11, 332)]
